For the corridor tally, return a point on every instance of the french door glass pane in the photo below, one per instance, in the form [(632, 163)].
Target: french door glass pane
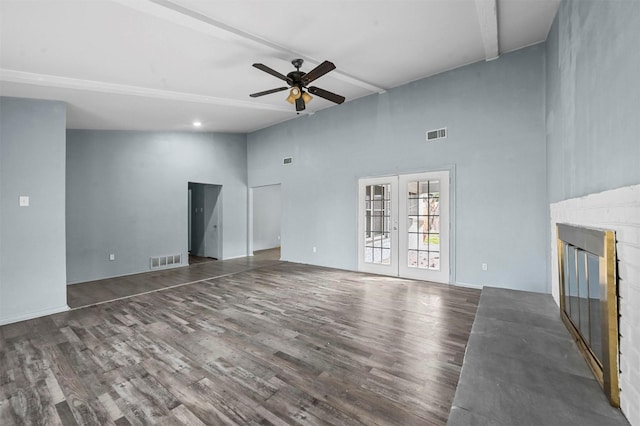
[(423, 224), (377, 207)]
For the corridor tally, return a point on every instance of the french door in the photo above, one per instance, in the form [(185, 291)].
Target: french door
[(403, 226)]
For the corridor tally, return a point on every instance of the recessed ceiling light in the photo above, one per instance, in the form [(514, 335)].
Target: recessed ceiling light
[(197, 124)]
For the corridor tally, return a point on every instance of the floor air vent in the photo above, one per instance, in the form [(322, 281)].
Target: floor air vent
[(164, 261), (432, 135)]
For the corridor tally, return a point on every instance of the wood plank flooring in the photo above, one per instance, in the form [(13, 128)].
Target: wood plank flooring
[(100, 291), (283, 344), (199, 259)]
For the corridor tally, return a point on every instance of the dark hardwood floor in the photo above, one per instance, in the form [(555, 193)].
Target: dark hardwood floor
[(199, 259), (100, 291), (282, 344)]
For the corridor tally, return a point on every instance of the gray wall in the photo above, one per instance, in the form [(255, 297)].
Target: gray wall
[(32, 239), (593, 98), (495, 115), (127, 194), (267, 214), (593, 143)]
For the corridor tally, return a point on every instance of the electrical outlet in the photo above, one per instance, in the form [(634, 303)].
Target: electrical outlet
[(485, 266), (314, 249), (112, 256)]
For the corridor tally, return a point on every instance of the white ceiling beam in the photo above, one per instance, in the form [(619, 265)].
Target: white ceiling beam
[(488, 19), (193, 20), (22, 77)]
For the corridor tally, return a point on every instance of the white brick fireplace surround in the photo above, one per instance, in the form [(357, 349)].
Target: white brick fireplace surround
[(618, 210)]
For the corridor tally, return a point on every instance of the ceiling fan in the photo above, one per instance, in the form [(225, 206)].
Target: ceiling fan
[(298, 81)]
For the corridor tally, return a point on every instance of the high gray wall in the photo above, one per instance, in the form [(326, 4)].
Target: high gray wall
[(593, 98), (495, 115), (267, 211), (593, 144), (32, 239), (127, 194)]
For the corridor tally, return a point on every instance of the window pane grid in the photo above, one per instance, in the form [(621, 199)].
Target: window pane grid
[(423, 224), (377, 243)]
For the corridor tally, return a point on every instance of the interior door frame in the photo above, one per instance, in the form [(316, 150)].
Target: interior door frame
[(202, 208), (213, 221), (251, 216)]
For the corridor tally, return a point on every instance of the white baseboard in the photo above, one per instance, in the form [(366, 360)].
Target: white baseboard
[(461, 284), (165, 268), (32, 315), (235, 257)]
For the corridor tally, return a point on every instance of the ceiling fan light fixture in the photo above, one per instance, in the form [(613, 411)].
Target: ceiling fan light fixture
[(294, 94), (306, 97)]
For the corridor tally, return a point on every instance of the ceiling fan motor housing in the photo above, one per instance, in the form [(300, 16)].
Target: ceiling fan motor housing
[(296, 76)]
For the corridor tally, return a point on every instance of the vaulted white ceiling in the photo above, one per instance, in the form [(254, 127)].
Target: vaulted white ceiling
[(160, 65)]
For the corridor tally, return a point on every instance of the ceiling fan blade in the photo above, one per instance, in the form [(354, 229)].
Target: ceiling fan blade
[(318, 72), (273, 72), (268, 92), (300, 104), (326, 94)]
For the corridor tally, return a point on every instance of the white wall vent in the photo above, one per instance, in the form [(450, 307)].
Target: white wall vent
[(164, 261), (433, 135), (287, 160)]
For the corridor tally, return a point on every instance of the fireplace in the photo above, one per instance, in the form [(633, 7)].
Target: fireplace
[(589, 299)]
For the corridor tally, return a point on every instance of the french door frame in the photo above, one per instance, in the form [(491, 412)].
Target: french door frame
[(398, 265), (442, 274), (382, 269)]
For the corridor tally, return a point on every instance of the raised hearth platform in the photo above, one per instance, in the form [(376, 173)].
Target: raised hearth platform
[(522, 367)]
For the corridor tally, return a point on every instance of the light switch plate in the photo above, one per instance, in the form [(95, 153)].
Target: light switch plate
[(24, 201)]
